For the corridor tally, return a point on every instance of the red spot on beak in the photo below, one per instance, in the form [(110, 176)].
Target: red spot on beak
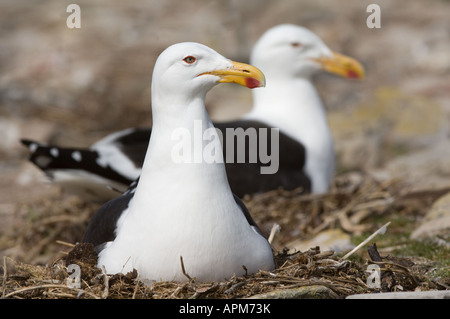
[(252, 83), (352, 74)]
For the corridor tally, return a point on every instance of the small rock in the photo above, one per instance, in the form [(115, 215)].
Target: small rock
[(437, 221), (432, 294), (423, 170)]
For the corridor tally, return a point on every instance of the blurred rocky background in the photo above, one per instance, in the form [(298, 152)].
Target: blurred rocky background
[(74, 86)]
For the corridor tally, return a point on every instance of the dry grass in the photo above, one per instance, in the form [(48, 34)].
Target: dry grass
[(296, 275)]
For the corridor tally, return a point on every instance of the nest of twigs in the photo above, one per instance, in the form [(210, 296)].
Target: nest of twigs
[(309, 274), (352, 205)]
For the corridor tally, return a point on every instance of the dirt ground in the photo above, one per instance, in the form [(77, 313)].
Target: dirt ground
[(74, 86)]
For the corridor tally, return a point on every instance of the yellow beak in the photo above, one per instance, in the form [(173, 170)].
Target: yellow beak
[(241, 73), (342, 65)]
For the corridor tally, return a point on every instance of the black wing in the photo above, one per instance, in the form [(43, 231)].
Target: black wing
[(246, 178), (248, 216), (51, 158), (102, 226)]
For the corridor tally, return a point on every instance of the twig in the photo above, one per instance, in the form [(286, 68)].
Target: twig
[(202, 292), (177, 291), (347, 224), (34, 288), (275, 229), (136, 287), (245, 269), (373, 253), (59, 295), (106, 282), (65, 243), (389, 265), (46, 286), (183, 270), (126, 262), (235, 286), (381, 230)]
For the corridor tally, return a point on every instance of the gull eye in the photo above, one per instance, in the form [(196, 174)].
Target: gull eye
[(189, 59), (296, 44)]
